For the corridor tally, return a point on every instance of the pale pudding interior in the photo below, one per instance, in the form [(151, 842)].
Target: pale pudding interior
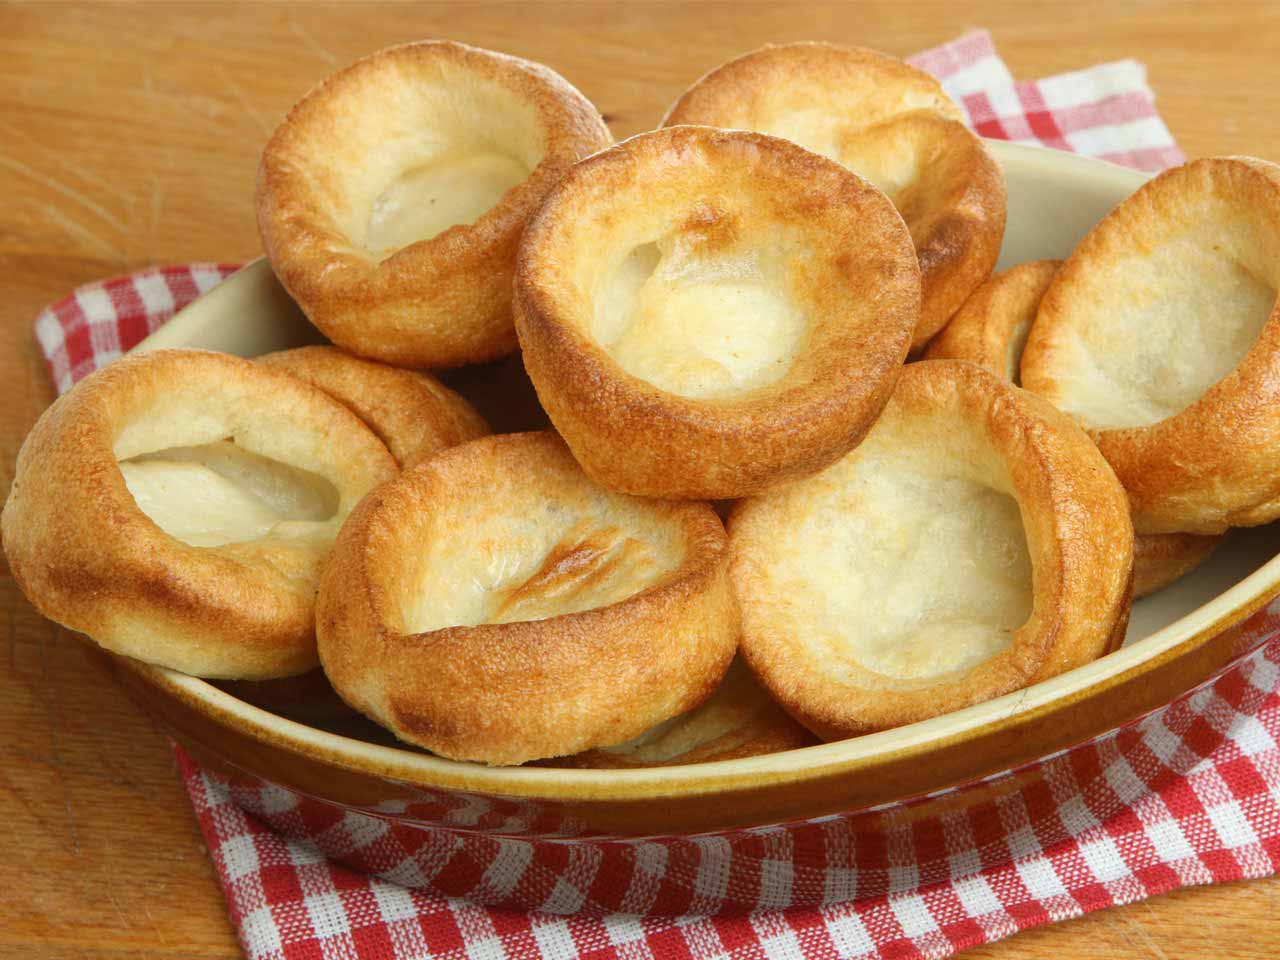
[(699, 317), (455, 187), (1149, 332), (219, 493), (910, 560), (409, 148), (541, 554)]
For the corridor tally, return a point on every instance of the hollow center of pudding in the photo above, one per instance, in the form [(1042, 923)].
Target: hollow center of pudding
[(1152, 331), (219, 493), (545, 558), (456, 187), (698, 317), (909, 571)]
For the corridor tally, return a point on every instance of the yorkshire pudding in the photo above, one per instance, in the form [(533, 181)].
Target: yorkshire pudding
[(176, 507), (414, 414), (892, 123), (974, 543), (739, 720), (392, 197), (1161, 558), (1160, 335), (493, 604), (991, 330), (705, 313), (991, 327)]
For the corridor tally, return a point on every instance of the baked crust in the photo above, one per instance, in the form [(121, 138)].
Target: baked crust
[(82, 549), (739, 720), (934, 629), (1161, 558), (492, 604), (892, 123), (1160, 334), (787, 286), (330, 167), (412, 413), (991, 330)]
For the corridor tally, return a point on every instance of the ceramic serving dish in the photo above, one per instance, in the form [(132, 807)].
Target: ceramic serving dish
[(1177, 639)]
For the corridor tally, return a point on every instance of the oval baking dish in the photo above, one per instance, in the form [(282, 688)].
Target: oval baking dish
[(1177, 639)]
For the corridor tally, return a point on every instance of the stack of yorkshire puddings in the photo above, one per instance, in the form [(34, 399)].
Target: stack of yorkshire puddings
[(722, 309)]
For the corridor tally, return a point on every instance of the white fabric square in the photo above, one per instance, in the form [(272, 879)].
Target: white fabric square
[(1040, 877), (1232, 827), (1103, 859), (554, 940), (328, 915), (849, 935), (155, 293), (240, 856), (394, 902), (976, 895), (913, 914)]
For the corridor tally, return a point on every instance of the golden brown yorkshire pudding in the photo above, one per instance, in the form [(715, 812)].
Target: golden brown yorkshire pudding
[(1160, 334), (1161, 558), (991, 330), (176, 507), (412, 413), (991, 327), (494, 604), (392, 197), (974, 543), (892, 123), (739, 720), (705, 313)]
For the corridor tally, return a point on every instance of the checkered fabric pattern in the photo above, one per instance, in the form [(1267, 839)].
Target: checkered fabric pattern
[(1187, 795)]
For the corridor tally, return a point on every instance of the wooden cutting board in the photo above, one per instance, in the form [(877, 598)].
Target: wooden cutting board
[(129, 136)]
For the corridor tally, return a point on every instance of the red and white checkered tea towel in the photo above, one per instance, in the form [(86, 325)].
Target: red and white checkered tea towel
[(1188, 795)]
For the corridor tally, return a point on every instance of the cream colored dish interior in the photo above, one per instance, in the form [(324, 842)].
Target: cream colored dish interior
[(697, 316), (909, 557), (1193, 301), (540, 554)]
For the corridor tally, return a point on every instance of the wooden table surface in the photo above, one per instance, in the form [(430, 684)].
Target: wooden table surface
[(130, 137)]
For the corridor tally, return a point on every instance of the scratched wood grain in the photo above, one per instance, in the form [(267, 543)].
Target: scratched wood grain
[(129, 136)]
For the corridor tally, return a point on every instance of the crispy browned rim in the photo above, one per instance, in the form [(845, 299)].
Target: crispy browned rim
[(503, 693), (989, 330), (1217, 463), (1078, 536), (440, 302), (413, 413), (89, 558), (630, 436), (961, 247)]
